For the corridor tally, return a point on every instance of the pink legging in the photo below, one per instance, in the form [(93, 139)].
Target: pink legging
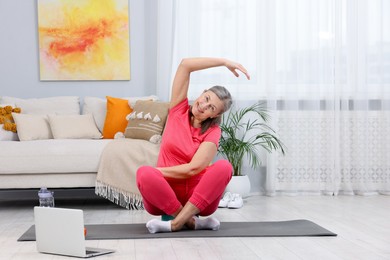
[(164, 196)]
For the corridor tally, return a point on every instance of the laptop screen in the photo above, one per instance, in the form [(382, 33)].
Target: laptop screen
[(60, 231)]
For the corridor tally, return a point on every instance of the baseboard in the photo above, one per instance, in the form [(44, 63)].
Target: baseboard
[(59, 193)]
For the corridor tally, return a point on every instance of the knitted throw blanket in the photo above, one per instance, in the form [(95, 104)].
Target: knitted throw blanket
[(116, 177)]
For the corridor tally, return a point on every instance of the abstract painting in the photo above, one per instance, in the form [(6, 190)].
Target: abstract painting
[(84, 39)]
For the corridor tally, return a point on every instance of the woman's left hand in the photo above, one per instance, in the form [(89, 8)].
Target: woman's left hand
[(234, 66)]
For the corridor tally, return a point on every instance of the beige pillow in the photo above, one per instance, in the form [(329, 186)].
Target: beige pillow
[(147, 120), (32, 127), (74, 127)]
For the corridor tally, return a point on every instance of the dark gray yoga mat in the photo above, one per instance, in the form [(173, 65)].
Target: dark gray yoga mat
[(291, 228)]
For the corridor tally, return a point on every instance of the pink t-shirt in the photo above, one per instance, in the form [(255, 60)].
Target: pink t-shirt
[(180, 139)]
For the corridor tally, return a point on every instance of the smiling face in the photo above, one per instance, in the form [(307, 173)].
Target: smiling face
[(207, 105)]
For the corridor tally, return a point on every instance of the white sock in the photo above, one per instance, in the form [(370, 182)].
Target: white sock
[(207, 223), (157, 226)]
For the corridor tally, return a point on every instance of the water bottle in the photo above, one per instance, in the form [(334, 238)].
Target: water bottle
[(46, 198)]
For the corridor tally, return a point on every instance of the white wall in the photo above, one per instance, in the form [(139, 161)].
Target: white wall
[(19, 59)]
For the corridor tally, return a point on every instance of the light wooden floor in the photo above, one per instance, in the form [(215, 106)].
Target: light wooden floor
[(362, 225)]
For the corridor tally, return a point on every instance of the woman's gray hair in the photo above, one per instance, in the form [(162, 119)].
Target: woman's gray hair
[(224, 95)]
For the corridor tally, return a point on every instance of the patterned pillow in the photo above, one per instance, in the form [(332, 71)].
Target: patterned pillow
[(147, 120)]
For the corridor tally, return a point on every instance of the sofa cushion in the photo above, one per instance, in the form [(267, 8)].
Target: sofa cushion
[(7, 135), (74, 127), (32, 127), (51, 156), (61, 105), (98, 107), (147, 121)]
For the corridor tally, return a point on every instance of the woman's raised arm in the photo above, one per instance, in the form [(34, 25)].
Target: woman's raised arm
[(182, 78)]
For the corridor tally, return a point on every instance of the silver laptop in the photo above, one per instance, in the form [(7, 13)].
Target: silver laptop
[(61, 231)]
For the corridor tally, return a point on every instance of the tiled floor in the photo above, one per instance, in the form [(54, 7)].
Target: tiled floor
[(362, 224)]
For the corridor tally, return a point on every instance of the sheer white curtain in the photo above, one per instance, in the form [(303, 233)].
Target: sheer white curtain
[(323, 67)]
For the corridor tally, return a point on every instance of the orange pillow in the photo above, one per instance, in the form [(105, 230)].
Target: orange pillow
[(117, 110)]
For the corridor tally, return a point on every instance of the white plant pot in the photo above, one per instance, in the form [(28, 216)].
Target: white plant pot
[(240, 185)]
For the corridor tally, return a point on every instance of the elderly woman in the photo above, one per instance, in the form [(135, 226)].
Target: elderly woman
[(184, 185)]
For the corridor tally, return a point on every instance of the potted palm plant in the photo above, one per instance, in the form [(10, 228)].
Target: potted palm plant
[(244, 132)]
